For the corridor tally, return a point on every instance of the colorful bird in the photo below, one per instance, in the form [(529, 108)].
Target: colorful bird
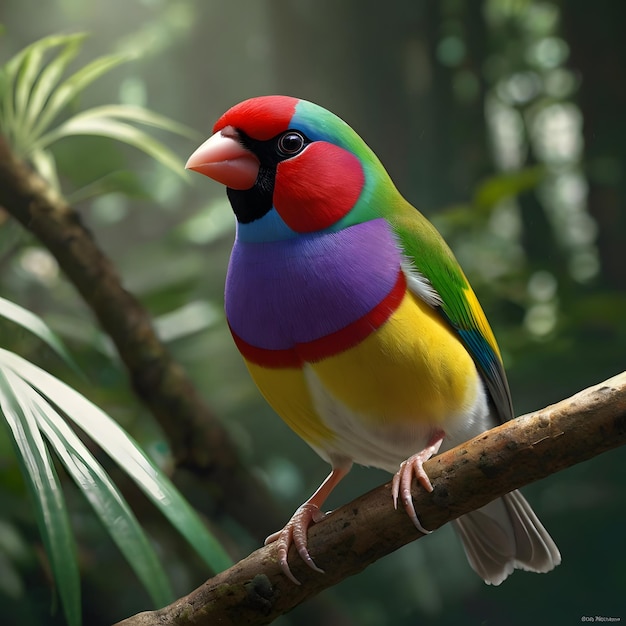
[(356, 322)]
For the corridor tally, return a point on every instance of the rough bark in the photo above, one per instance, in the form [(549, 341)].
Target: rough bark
[(199, 441), (524, 450)]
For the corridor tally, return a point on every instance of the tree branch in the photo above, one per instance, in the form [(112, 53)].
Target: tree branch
[(524, 450), (199, 442)]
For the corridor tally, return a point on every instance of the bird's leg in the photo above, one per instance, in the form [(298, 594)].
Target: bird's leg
[(413, 467), (295, 531)]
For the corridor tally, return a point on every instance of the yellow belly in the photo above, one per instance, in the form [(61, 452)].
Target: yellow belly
[(412, 370)]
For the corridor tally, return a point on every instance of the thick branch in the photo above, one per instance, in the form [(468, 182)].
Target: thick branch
[(199, 442), (508, 457)]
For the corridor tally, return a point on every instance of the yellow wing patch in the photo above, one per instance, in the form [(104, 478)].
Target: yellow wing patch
[(480, 320)]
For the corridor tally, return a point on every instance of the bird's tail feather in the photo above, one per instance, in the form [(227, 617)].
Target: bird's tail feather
[(505, 535)]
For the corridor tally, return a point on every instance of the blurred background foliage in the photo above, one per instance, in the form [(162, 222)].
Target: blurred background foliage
[(502, 120)]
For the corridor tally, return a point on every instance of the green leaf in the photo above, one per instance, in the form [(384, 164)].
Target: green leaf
[(72, 86), (15, 552), (49, 78), (133, 113), (26, 84), (26, 76), (34, 95), (190, 318), (86, 124), (35, 325), (5, 99), (13, 64), (129, 456), (209, 224), (45, 488), (11, 583), (106, 500), (497, 188), (45, 164)]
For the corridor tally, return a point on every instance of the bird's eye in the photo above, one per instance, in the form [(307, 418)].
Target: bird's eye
[(290, 143)]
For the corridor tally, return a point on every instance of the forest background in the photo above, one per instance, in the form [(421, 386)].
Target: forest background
[(503, 121)]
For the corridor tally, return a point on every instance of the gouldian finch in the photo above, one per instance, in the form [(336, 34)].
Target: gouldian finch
[(356, 322)]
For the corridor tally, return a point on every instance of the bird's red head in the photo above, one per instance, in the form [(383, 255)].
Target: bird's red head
[(282, 153), (261, 118)]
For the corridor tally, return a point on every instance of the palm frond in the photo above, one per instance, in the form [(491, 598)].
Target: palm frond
[(35, 93), (106, 500), (28, 320), (121, 447), (45, 488)]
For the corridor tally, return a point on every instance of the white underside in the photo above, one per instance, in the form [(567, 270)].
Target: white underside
[(384, 445)]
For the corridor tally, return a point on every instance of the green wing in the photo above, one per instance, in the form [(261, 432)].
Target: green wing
[(458, 305), (431, 257)]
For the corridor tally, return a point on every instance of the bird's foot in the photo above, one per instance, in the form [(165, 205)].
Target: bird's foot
[(413, 467), (295, 532)]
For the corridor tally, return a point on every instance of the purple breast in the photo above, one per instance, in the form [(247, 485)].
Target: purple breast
[(280, 294)]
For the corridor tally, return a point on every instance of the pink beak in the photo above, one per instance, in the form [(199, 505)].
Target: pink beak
[(224, 159)]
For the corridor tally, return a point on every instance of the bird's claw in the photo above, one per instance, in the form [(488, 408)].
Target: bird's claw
[(295, 532), (401, 484)]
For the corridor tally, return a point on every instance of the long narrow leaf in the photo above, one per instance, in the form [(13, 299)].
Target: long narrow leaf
[(132, 113), (10, 71), (72, 86), (51, 41), (106, 500), (35, 325), (26, 76), (46, 166), (125, 451), (85, 125), (6, 106), (43, 483), (20, 72), (49, 78)]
